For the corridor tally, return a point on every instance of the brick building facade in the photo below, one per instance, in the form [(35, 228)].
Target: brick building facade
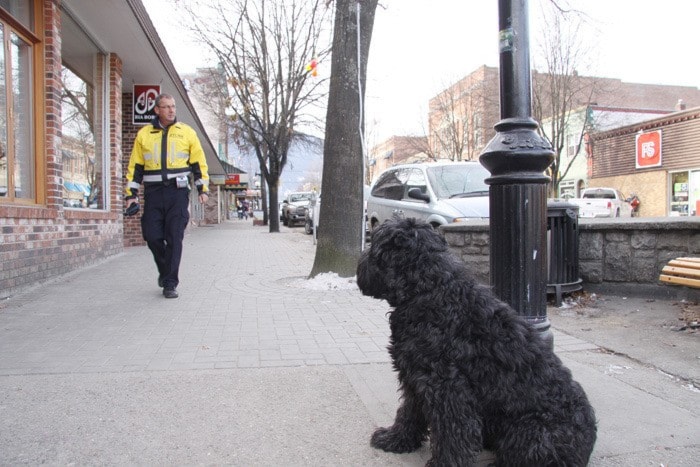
[(395, 150)]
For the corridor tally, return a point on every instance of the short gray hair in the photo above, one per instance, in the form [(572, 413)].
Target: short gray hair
[(162, 96)]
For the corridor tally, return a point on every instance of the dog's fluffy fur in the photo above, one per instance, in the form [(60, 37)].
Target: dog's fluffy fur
[(473, 374)]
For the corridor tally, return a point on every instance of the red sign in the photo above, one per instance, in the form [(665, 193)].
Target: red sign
[(144, 102), (649, 149), (233, 179)]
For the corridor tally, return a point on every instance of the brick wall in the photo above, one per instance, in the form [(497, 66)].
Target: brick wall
[(44, 240), (132, 224)]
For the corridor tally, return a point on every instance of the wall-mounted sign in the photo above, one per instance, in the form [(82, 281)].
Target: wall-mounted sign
[(648, 149), (144, 103), (236, 181)]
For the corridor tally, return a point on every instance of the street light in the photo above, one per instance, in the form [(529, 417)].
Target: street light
[(517, 158)]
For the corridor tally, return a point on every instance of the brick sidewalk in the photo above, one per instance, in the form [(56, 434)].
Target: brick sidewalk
[(251, 366)]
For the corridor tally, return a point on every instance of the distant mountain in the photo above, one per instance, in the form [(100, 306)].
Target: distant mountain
[(302, 171), (304, 166)]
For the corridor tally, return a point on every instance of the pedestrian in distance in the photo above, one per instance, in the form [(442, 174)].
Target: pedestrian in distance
[(165, 156)]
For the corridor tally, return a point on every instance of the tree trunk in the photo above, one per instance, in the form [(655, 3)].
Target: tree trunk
[(340, 234), (273, 191), (263, 197)]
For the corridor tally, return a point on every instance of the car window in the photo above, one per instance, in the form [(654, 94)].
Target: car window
[(460, 179), (299, 197), (599, 194), (415, 179), (390, 184)]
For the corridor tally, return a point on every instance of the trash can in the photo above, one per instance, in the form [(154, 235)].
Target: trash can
[(562, 249)]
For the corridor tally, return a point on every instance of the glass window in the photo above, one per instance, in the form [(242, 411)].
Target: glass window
[(680, 194), (459, 180), (416, 179), (4, 156), (21, 10), (84, 120), (20, 53), (82, 162), (694, 189), (390, 184), (17, 132)]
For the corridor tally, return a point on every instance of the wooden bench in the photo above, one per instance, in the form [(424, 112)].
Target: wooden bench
[(682, 271)]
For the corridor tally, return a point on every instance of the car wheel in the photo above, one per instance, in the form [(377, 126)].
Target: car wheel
[(308, 228)]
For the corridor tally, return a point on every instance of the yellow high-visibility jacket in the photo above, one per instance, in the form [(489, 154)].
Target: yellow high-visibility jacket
[(162, 154)]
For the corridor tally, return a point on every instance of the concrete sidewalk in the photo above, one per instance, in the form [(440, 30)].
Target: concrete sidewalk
[(256, 366)]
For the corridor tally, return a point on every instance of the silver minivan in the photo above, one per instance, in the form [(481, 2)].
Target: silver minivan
[(437, 192)]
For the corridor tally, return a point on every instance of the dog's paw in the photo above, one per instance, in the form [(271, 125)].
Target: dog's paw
[(393, 440)]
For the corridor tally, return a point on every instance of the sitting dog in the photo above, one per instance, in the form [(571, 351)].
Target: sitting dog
[(473, 374)]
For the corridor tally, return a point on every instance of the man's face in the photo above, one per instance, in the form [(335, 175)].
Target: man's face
[(166, 111)]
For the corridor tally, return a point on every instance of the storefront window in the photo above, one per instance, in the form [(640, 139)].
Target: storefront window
[(694, 192), (22, 116), (17, 150), (680, 194), (4, 156), (83, 119), (21, 10)]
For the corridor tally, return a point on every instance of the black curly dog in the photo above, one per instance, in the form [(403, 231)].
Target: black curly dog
[(473, 374)]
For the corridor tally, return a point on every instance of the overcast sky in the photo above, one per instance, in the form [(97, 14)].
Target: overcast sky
[(420, 47)]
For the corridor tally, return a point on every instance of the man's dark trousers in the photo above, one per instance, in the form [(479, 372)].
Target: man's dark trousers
[(165, 217)]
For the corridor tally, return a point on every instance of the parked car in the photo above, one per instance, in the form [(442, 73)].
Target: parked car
[(293, 210), (437, 192), (602, 202)]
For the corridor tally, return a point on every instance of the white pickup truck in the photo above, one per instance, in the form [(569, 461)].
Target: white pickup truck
[(602, 202)]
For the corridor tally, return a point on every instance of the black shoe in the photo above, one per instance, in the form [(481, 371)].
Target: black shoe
[(160, 282), (169, 292)]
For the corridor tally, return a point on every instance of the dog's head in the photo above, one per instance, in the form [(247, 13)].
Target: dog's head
[(401, 260)]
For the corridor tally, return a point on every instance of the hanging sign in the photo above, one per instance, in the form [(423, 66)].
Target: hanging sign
[(144, 103), (648, 149)]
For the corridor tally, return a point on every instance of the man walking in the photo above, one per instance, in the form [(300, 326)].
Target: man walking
[(166, 152)]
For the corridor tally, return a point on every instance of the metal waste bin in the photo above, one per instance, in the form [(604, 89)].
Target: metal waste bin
[(562, 249)]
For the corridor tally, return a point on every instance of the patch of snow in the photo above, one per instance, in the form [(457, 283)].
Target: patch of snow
[(327, 281)]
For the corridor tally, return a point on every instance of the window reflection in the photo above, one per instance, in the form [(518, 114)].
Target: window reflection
[(4, 156), (82, 154), (22, 114)]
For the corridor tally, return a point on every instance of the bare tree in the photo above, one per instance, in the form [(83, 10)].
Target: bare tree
[(340, 241), (458, 116), (449, 124), (264, 48), (559, 90)]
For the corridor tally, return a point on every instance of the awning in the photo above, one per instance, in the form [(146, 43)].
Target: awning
[(84, 188), (70, 186)]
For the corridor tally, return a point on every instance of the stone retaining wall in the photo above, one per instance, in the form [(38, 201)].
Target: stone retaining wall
[(623, 256)]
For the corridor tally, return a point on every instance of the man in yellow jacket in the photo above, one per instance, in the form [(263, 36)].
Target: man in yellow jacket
[(166, 154)]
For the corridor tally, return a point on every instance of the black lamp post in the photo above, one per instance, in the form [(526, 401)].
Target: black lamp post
[(517, 158)]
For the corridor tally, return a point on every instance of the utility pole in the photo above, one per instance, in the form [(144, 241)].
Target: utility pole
[(517, 158)]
